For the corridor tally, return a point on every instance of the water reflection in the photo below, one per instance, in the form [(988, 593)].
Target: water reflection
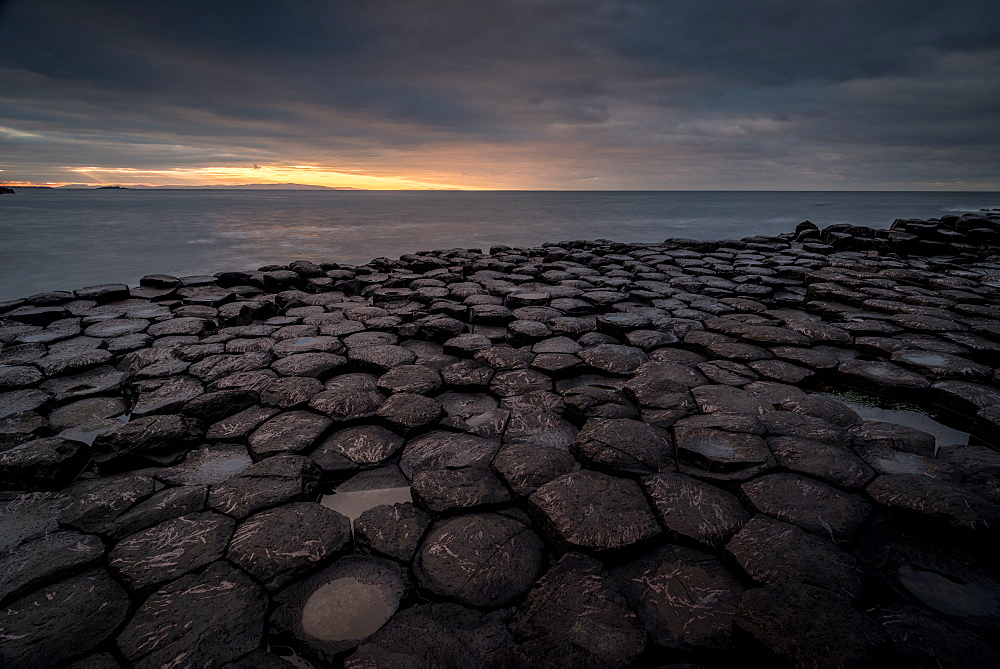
[(345, 610), (873, 407)]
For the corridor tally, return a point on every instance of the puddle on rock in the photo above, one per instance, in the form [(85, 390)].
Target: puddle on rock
[(353, 504), (873, 407), (948, 594), (345, 610)]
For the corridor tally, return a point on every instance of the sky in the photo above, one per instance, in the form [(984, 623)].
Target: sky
[(503, 94)]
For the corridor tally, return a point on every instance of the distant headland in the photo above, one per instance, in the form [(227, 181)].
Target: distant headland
[(6, 191)]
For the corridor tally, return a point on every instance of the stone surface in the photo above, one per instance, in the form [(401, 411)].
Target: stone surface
[(592, 511), (45, 558), (480, 560), (624, 446), (695, 510), (215, 616), (684, 598), (393, 531), (813, 506), (276, 480), (276, 545), (61, 620)]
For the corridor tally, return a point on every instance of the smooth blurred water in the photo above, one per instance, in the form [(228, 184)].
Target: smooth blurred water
[(66, 239)]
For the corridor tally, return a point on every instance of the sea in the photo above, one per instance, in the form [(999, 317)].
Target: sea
[(62, 239)]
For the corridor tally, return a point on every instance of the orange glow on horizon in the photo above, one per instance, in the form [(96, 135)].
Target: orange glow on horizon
[(306, 175)]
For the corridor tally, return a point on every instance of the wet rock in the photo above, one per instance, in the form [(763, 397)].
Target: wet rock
[(257, 379), (208, 465), (576, 605), (824, 408), (276, 480), (443, 491), (941, 365), (98, 503), (695, 510), (45, 558), (365, 446), (215, 616), (467, 374), (290, 392), (935, 500), (925, 640), (502, 356), (720, 455), (152, 363), (12, 378), (213, 407), (809, 626), (381, 358), (684, 598), (315, 365), (154, 439), (28, 516), (790, 423), (882, 375), (624, 446), (834, 464), (171, 549), (42, 464), (216, 367), (410, 379), (84, 411), (336, 609), (519, 382), (160, 506), (393, 531), (614, 358), (895, 436), (239, 426), (73, 361), (408, 412), (446, 450), (445, 634), (592, 511), (347, 404), (178, 326), (277, 545), (813, 506), (467, 345), (657, 384), (19, 401), (289, 432), (592, 401), (525, 467), (482, 560), (771, 551), (61, 620), (163, 396), (725, 399)]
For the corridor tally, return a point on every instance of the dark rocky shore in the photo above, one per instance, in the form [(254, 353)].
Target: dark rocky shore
[(616, 455)]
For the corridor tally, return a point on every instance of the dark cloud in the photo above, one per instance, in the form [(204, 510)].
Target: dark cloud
[(517, 93)]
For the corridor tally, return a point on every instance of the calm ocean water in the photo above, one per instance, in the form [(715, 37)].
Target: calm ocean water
[(66, 239)]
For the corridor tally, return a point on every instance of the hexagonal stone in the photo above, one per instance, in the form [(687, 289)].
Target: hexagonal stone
[(809, 626), (315, 365), (85, 384), (725, 399), (922, 639), (72, 361), (790, 423), (446, 450), (894, 436), (592, 511), (684, 598), (171, 549), (153, 439), (930, 498), (289, 432), (12, 378), (410, 379), (276, 480), (61, 620), (408, 412), (769, 551), (813, 506), (364, 445), (624, 446), (160, 506), (239, 426), (576, 606), (519, 381), (483, 560), (720, 455), (447, 490), (215, 616), (391, 530), (694, 509), (116, 327), (42, 464), (525, 466), (380, 358), (614, 358), (336, 609), (834, 464), (345, 404), (882, 374), (151, 363), (890, 461), (208, 465), (453, 635), (276, 545), (44, 558), (98, 503), (19, 401), (167, 395), (290, 392)]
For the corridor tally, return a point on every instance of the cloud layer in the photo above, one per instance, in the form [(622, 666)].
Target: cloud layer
[(563, 94)]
